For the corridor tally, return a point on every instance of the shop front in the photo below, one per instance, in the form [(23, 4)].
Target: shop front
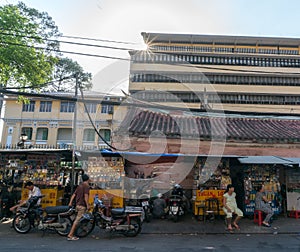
[(212, 175), (292, 182), (106, 171), (45, 168), (269, 171)]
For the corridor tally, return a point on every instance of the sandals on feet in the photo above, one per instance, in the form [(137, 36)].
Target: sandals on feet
[(74, 238), (266, 224)]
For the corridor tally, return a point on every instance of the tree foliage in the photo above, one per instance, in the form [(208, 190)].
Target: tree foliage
[(65, 72), (27, 46), (29, 51)]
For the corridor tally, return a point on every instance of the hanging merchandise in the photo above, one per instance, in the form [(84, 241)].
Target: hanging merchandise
[(255, 175)]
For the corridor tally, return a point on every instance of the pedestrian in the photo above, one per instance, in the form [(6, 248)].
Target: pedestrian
[(262, 204), (81, 197), (230, 208), (159, 207), (33, 191)]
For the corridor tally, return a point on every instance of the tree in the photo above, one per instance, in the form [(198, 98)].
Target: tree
[(65, 68), (29, 52), (28, 47)]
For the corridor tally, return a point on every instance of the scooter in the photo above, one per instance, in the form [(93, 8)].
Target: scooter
[(126, 221), (146, 205), (57, 218), (175, 207)]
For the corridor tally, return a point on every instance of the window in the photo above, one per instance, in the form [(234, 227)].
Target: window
[(42, 134), (28, 107), (107, 109), (45, 106), (64, 135), (90, 107), (28, 132), (67, 107), (105, 133), (89, 135)]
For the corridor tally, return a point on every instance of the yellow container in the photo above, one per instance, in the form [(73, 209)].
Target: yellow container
[(111, 197), (52, 197), (201, 196)]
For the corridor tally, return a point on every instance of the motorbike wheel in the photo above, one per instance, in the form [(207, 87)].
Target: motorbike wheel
[(21, 224), (68, 224), (85, 227), (136, 222), (148, 215)]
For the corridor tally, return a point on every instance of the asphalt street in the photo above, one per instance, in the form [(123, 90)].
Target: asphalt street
[(164, 235)]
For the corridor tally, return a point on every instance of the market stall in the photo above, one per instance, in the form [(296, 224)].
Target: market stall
[(43, 168), (266, 171), (293, 189), (106, 174), (212, 176)]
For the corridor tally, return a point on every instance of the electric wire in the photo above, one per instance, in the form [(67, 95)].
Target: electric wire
[(67, 52), (94, 127), (67, 42), (127, 59)]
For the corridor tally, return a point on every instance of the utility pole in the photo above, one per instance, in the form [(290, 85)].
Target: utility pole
[(74, 135)]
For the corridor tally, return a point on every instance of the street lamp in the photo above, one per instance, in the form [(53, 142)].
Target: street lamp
[(23, 139)]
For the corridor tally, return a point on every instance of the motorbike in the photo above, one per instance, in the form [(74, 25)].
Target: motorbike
[(57, 218), (176, 208), (146, 205), (126, 221)]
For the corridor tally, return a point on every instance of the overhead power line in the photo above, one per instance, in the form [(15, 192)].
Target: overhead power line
[(62, 51), (66, 42), (100, 40), (183, 64)]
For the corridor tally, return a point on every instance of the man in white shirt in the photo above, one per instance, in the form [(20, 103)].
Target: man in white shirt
[(33, 191)]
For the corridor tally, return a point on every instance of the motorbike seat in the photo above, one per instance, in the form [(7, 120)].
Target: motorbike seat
[(117, 211), (56, 209)]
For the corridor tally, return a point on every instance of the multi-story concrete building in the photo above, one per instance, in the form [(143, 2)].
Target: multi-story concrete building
[(49, 121), (234, 73)]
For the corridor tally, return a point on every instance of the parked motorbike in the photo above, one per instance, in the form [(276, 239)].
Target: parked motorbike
[(176, 208), (57, 218), (146, 205), (126, 221)]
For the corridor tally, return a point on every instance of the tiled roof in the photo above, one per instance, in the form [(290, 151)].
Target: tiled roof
[(144, 123)]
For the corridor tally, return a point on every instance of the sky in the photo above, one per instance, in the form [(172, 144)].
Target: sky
[(124, 20)]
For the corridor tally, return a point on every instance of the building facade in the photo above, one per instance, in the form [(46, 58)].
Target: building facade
[(231, 73), (50, 121)]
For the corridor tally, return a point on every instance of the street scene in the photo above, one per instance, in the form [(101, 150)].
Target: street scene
[(130, 125)]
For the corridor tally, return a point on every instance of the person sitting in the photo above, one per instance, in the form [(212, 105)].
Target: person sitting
[(159, 207), (33, 191), (177, 190), (262, 204), (230, 208)]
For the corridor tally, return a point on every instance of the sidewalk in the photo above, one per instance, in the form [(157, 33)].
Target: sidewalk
[(189, 225)]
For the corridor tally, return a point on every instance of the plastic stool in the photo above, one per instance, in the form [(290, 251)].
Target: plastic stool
[(258, 217), (294, 214), (203, 207), (212, 207)]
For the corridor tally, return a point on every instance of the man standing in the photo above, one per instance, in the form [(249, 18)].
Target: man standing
[(81, 196)]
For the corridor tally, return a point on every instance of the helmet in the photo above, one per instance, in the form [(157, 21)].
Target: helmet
[(177, 186), (159, 195)]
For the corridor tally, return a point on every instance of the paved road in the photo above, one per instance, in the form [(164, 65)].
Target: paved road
[(34, 241)]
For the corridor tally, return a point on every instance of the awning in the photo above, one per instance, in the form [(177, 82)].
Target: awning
[(265, 160)]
